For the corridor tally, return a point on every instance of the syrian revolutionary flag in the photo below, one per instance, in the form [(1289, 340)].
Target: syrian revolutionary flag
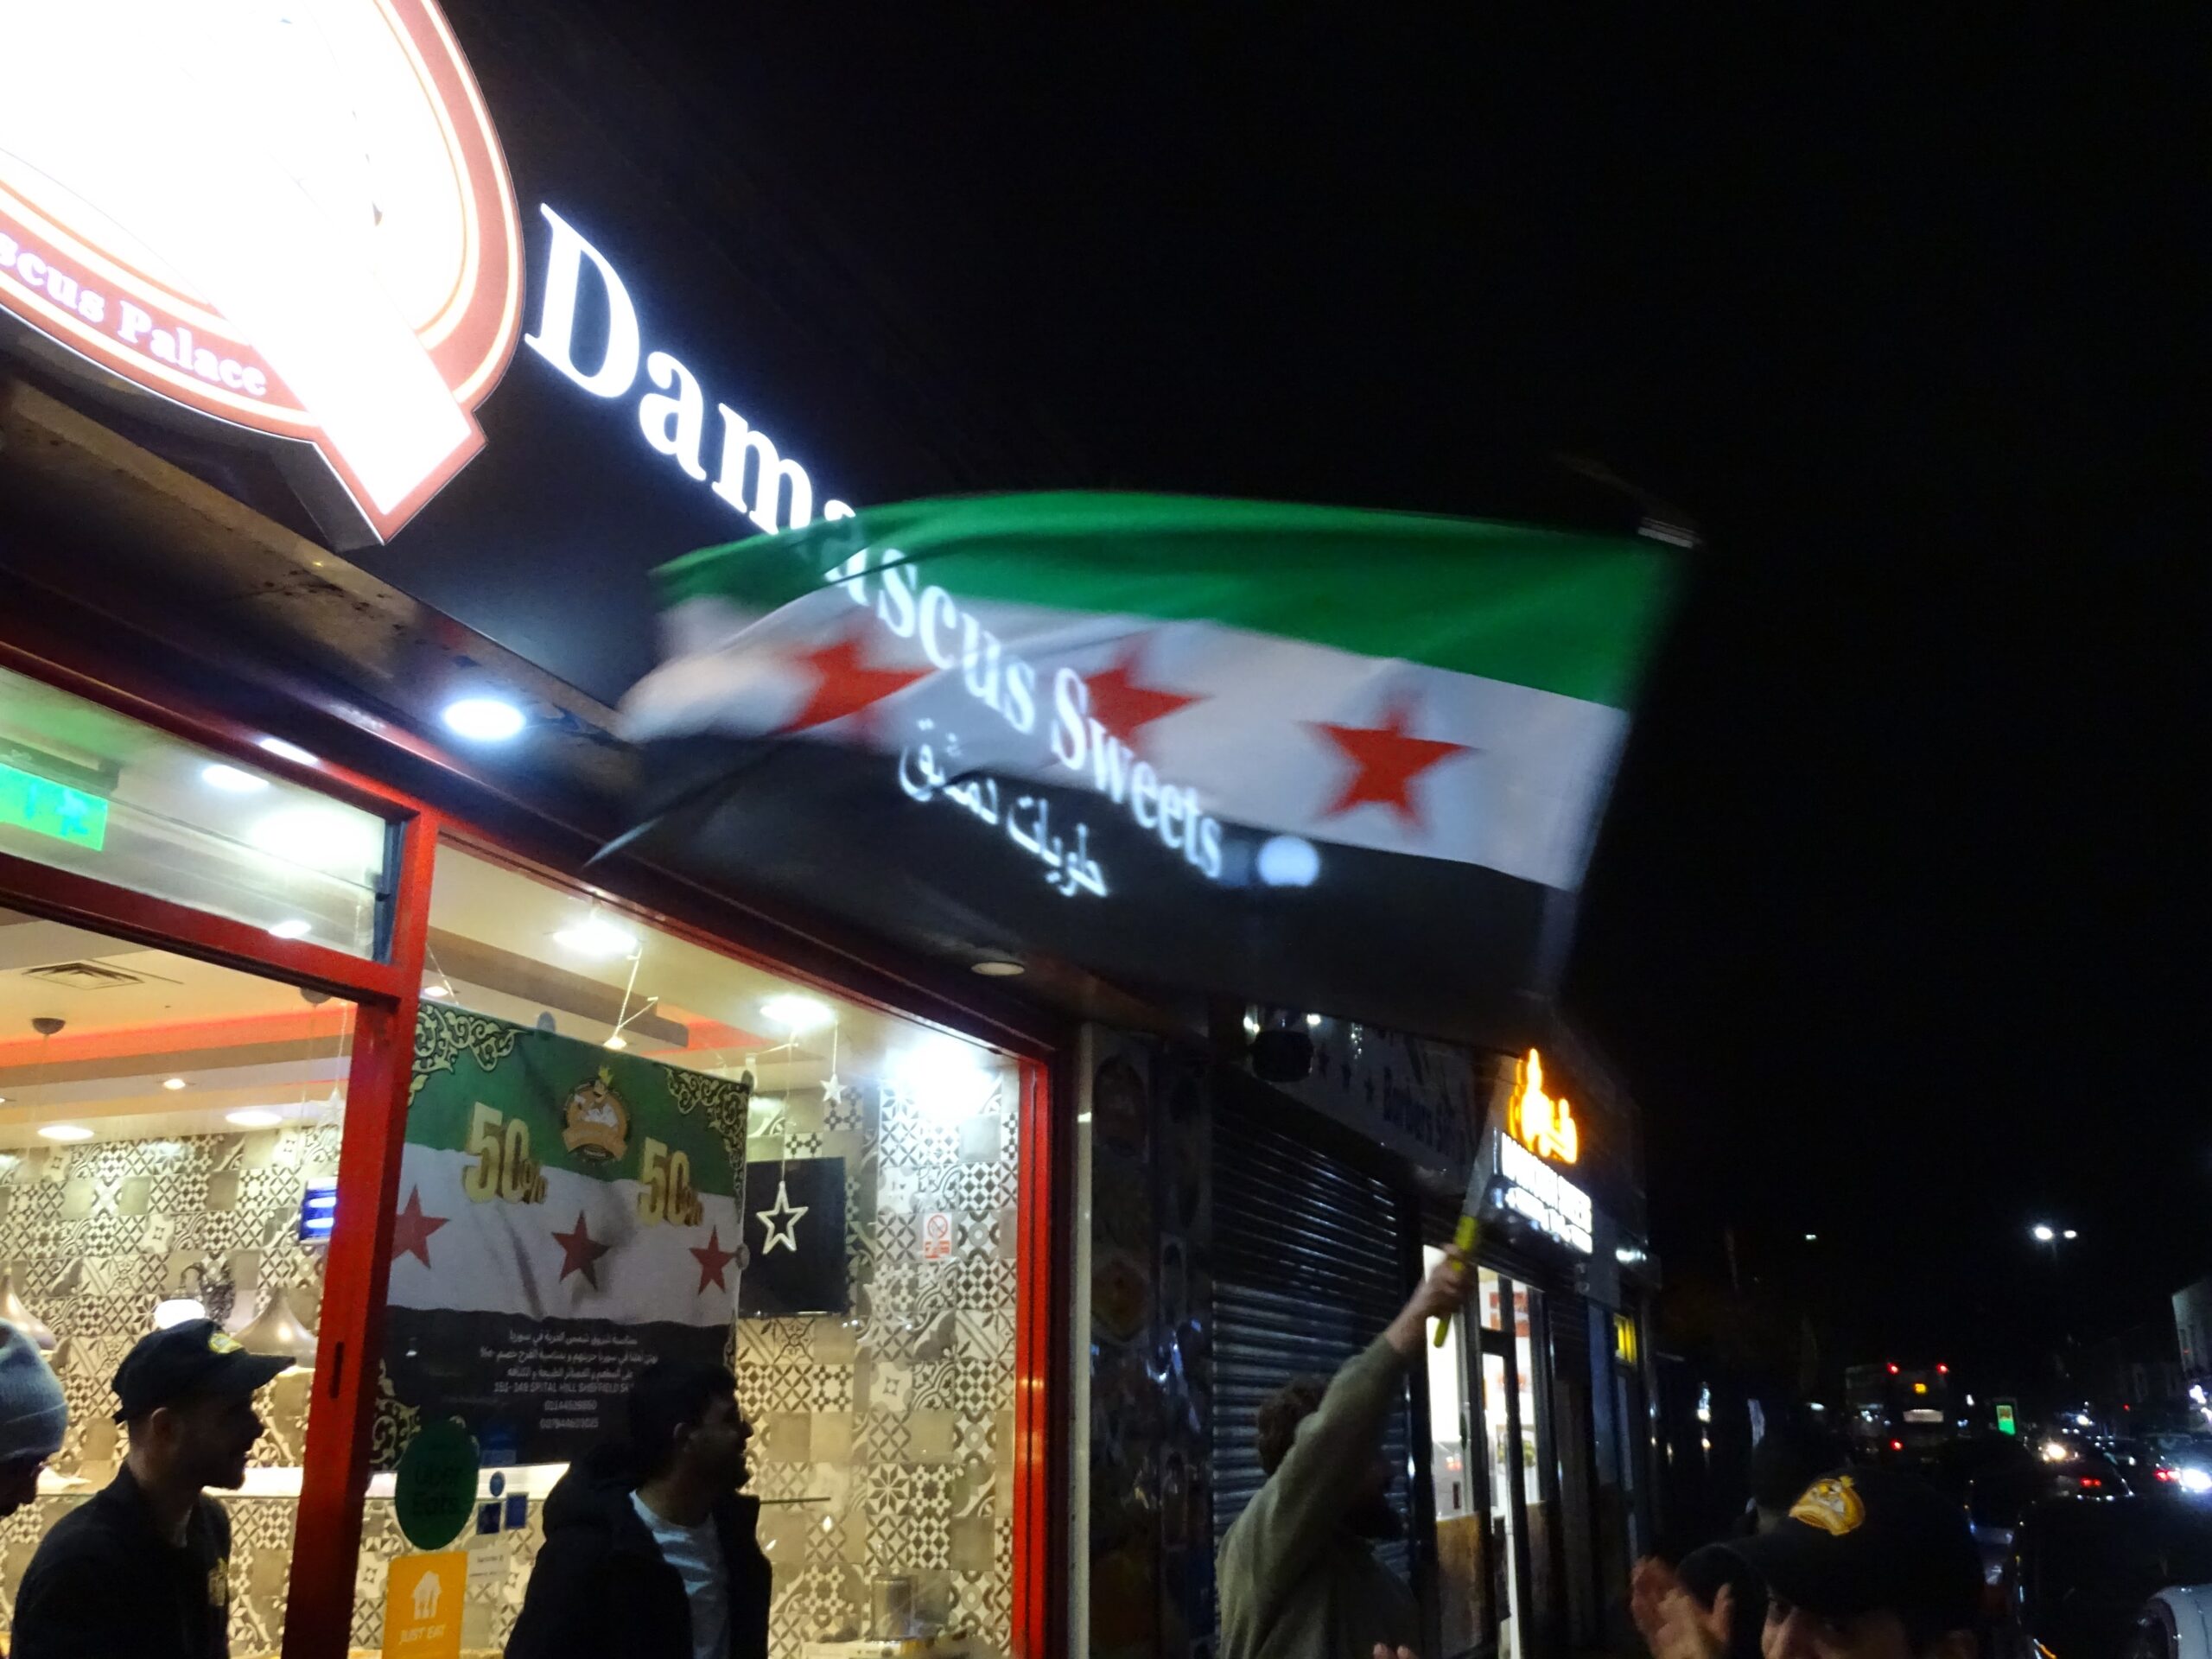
[(1249, 748), (566, 1217)]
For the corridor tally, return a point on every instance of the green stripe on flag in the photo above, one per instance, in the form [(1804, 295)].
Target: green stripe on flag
[(1559, 610)]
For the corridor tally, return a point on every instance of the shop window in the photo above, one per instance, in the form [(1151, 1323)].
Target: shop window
[(168, 1149), (86, 790), (845, 1240)]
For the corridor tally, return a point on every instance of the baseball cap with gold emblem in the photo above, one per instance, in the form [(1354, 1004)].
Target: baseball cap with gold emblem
[(1865, 1540), (198, 1356)]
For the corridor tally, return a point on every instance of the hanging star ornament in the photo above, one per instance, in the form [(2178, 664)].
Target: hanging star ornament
[(833, 1093), (787, 1235)]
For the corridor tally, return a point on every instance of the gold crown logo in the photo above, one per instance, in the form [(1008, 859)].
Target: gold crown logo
[(597, 1123)]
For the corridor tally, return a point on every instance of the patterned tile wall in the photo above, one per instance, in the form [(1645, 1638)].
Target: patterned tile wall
[(886, 1437), (94, 1235)]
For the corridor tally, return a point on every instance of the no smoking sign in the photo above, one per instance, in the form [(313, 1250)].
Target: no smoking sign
[(937, 1236)]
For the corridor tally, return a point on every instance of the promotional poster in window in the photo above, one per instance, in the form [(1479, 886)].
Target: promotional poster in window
[(567, 1215)]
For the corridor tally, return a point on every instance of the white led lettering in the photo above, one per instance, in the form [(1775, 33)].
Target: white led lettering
[(1551, 1202), (556, 338), (675, 426), (935, 599), (750, 473)]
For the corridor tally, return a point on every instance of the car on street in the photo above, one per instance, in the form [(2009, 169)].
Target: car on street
[(2085, 1574), (2176, 1623)]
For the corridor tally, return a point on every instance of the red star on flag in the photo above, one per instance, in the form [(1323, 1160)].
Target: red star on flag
[(1387, 761), (843, 684), (713, 1260), (580, 1253), (1121, 706), (412, 1229)]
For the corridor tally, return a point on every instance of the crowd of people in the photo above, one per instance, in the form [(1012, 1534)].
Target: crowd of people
[(651, 1548)]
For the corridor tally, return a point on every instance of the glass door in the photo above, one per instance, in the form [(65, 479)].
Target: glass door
[(1515, 1434), (1462, 1567)]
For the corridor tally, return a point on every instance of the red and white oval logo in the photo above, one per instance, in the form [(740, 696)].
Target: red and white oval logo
[(290, 215)]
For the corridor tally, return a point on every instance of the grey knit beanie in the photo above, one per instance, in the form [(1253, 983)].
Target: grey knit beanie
[(33, 1414)]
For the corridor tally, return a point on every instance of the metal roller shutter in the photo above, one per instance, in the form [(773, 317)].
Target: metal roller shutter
[(1307, 1272)]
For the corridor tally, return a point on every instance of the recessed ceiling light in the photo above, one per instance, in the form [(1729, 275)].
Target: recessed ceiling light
[(292, 751), (435, 990), (595, 935), (618, 1041), (66, 1132), (483, 719), (232, 780), (797, 1014), (997, 969), (292, 928), (174, 1083), (254, 1117)]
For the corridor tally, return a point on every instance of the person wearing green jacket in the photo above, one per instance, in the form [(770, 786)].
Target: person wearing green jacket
[(1297, 1576)]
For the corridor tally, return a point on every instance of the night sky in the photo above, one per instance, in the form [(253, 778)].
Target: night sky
[(1888, 930)]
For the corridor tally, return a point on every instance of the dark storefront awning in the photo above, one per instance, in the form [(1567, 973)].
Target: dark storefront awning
[(1327, 759)]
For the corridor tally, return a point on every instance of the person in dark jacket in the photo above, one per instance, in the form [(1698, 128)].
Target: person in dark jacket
[(650, 1548), (143, 1570)]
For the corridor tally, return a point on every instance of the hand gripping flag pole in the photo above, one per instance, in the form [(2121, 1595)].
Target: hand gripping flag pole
[(1483, 1196)]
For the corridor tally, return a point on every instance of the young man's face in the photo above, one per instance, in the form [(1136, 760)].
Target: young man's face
[(716, 1444), (213, 1436), (1794, 1632)]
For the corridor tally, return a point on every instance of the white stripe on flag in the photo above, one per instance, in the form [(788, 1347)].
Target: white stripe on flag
[(1523, 801)]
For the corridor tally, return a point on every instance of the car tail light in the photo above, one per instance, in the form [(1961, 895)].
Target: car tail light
[(1897, 1446), (2090, 1483), (2167, 1474)]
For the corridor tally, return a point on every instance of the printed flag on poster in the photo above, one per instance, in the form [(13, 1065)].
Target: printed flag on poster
[(1224, 744), (566, 1216)]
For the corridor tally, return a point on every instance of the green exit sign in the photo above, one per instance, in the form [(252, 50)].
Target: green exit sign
[(45, 808), (2004, 1423)]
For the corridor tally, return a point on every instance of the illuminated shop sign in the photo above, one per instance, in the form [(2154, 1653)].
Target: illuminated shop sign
[(1544, 1125), (584, 298), (334, 259), (1553, 1204)]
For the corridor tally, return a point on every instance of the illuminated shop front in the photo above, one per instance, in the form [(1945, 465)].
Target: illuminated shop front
[(336, 1005), (1234, 1234)]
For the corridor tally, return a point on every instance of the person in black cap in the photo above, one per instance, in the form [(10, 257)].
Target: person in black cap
[(143, 1570), (1868, 1564), (1788, 1458)]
